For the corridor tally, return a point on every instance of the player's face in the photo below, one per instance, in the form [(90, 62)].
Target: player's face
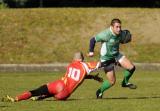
[(116, 28)]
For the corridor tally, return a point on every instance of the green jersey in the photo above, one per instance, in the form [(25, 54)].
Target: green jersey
[(110, 44)]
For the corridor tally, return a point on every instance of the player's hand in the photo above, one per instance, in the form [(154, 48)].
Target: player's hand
[(97, 78), (90, 54), (98, 65)]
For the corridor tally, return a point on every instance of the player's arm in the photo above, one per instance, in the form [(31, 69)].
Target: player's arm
[(91, 46), (95, 77), (98, 38), (90, 67)]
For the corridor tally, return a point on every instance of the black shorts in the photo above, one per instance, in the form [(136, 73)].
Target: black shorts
[(108, 65)]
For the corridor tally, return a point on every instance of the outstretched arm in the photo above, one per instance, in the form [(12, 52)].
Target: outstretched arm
[(95, 77)]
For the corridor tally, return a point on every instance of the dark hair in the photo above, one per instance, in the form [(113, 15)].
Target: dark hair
[(115, 20)]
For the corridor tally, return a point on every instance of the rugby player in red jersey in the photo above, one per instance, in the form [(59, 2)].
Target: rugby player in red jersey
[(61, 89)]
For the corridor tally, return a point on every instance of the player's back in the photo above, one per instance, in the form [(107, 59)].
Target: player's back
[(74, 75)]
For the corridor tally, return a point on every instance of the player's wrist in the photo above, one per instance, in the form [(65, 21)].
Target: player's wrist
[(91, 54)]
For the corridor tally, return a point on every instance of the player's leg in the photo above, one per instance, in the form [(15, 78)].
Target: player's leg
[(63, 95), (23, 96), (40, 93), (129, 70), (55, 87), (59, 90), (50, 90), (111, 79), (41, 97), (43, 90), (106, 84)]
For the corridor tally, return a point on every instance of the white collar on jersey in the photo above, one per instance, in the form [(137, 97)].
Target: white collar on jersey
[(112, 31)]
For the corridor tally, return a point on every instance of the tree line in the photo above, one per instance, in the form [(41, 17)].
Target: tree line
[(80, 3)]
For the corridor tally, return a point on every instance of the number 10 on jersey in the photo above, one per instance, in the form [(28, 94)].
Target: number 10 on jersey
[(74, 73)]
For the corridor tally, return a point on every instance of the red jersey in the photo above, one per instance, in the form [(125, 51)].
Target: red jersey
[(76, 72)]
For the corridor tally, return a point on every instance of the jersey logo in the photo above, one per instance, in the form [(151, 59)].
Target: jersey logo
[(112, 41), (74, 73)]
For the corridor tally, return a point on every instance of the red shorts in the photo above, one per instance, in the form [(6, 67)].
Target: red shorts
[(58, 89)]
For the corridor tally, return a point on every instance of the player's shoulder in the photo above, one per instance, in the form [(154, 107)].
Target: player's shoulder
[(103, 35), (92, 64), (104, 32)]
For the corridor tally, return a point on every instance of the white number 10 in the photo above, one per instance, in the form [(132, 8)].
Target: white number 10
[(74, 73)]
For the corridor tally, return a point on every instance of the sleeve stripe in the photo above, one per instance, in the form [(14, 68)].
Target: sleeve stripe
[(86, 67)]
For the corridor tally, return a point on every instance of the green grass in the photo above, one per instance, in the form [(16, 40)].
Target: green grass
[(54, 34), (145, 98)]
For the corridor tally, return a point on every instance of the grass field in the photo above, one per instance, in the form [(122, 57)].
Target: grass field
[(54, 34), (145, 98)]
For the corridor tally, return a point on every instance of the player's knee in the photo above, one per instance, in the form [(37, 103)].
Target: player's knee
[(132, 69), (112, 82)]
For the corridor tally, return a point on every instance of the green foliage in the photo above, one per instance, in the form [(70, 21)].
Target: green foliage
[(145, 98), (2, 5), (54, 35)]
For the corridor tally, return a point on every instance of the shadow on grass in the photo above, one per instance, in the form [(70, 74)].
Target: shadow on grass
[(3, 106), (72, 99), (143, 97), (120, 98)]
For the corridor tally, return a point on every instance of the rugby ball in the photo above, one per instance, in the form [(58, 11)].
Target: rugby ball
[(125, 36)]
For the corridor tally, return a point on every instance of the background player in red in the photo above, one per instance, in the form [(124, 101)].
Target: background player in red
[(61, 89)]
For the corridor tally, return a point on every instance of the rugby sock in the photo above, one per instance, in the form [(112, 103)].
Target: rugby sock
[(105, 85), (127, 75), (23, 96), (42, 90)]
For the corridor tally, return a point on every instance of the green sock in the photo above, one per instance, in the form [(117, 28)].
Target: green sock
[(105, 85), (127, 75)]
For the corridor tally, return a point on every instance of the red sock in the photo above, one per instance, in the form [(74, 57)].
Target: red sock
[(24, 96)]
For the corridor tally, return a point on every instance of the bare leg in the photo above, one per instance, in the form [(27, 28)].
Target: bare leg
[(129, 70)]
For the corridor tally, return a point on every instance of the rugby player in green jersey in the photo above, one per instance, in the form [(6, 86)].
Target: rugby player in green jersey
[(110, 39)]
